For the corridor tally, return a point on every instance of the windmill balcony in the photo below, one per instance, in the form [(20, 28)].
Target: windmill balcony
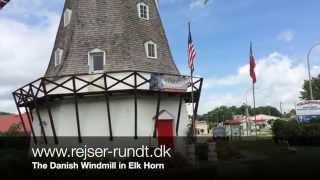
[(111, 83), (39, 96)]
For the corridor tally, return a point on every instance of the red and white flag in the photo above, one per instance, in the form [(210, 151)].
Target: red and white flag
[(191, 51), (3, 3), (252, 66)]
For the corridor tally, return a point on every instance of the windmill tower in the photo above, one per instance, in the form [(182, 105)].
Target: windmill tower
[(111, 74)]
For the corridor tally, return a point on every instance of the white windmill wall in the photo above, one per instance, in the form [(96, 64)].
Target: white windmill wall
[(94, 119)]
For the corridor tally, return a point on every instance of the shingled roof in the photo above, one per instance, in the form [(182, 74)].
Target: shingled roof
[(114, 27)]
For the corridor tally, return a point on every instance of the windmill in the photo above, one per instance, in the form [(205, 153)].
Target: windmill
[(111, 74)]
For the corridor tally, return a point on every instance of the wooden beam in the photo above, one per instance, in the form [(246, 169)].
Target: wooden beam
[(135, 107), (30, 120), (199, 93), (88, 83), (28, 112), (179, 114), (50, 113), (31, 115), (20, 115), (121, 81), (39, 116), (108, 109), (59, 85), (157, 115), (76, 109)]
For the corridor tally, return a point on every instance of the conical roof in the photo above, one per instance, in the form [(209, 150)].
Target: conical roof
[(115, 28)]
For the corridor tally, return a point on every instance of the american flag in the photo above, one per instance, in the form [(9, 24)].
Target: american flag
[(3, 3), (191, 51)]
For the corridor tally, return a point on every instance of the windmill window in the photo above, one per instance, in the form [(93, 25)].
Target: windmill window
[(67, 17), (151, 50), (96, 60), (143, 11), (58, 56)]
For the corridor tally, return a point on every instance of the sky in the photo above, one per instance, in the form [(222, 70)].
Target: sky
[(282, 32)]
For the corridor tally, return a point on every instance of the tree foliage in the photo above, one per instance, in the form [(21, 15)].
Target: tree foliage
[(295, 133), (223, 113), (14, 130), (305, 93), (4, 113)]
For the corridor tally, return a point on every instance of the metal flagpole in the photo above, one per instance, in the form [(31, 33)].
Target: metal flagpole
[(205, 2), (254, 108), (192, 102), (192, 93), (253, 76)]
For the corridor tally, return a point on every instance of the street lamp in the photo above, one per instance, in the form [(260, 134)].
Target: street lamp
[(309, 73)]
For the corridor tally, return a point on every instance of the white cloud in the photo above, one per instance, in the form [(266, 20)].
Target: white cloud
[(278, 80), (198, 4), (286, 36), (27, 37)]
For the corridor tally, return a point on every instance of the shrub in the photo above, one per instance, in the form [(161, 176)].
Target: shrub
[(311, 130), (14, 130), (295, 133), (278, 128), (315, 121), (292, 129)]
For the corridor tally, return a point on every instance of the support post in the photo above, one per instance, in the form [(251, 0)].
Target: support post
[(135, 107), (20, 115), (31, 125), (108, 107), (179, 114), (34, 98), (76, 108), (50, 113), (157, 115), (199, 94)]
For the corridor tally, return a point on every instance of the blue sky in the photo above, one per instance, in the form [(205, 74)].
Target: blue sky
[(223, 29), (282, 32)]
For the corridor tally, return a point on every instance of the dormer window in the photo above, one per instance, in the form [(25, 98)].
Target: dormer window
[(151, 50), (143, 11), (97, 60), (67, 17), (58, 56)]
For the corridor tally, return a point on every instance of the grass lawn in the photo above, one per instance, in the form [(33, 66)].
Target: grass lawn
[(264, 158)]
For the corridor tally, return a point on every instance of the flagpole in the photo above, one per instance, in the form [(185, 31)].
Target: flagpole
[(192, 95), (253, 76), (254, 108), (192, 102)]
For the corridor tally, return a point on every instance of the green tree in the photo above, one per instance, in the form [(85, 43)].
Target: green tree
[(223, 113), (268, 110), (4, 113), (219, 114), (14, 130), (305, 93)]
